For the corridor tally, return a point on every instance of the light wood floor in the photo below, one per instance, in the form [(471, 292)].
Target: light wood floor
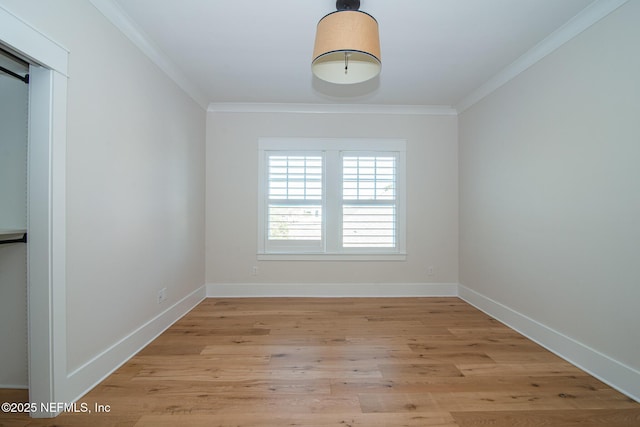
[(344, 362)]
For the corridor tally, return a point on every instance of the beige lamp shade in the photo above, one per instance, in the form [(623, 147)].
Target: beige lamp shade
[(347, 48)]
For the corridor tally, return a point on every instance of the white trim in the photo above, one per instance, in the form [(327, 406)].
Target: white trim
[(46, 193), (344, 256), (58, 224), (86, 377), (422, 110), (619, 376), (47, 238), (47, 201), (303, 144), (114, 13), (31, 43), (331, 290), (329, 248), (15, 386), (586, 18)]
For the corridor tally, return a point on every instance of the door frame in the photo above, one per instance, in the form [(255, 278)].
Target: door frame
[(46, 250)]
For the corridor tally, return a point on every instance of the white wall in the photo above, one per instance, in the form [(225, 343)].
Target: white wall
[(232, 182), (135, 181), (13, 215), (550, 191)]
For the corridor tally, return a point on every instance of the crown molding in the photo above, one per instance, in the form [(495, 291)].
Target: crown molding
[(114, 13), (424, 110), (583, 20)]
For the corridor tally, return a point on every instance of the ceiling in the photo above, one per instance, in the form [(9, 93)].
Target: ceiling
[(434, 52)]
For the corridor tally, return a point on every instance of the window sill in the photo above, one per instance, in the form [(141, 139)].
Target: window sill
[(331, 257)]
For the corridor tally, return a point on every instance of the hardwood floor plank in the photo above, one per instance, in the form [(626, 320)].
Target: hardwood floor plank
[(170, 372), (207, 332), (526, 369), (203, 361), (542, 356), (512, 401), (174, 389), (233, 403), (14, 395), (438, 419), (476, 344), (567, 385), (559, 418), (468, 357), (282, 340), (86, 420), (416, 371), (398, 403)]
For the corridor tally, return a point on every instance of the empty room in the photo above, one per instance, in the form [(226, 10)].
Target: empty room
[(320, 213)]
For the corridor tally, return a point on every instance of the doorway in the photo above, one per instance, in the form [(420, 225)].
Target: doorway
[(46, 331), (14, 95)]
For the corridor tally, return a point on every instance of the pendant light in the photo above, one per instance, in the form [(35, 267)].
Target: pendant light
[(347, 47)]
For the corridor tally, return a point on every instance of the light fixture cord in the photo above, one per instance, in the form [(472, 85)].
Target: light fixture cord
[(346, 62)]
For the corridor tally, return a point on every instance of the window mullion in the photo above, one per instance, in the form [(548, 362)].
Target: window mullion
[(333, 201)]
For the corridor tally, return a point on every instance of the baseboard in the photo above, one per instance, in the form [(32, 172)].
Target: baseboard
[(616, 374), (14, 386), (330, 290), (83, 379)]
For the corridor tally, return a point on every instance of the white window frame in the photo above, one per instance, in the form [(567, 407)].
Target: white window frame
[(332, 148)]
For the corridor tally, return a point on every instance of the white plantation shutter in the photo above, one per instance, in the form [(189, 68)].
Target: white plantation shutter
[(369, 200)]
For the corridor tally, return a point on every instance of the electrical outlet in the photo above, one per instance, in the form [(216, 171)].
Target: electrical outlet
[(162, 295), (254, 270), (430, 270)]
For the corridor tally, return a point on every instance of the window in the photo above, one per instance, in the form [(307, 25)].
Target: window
[(331, 199), (294, 208), (369, 201)]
